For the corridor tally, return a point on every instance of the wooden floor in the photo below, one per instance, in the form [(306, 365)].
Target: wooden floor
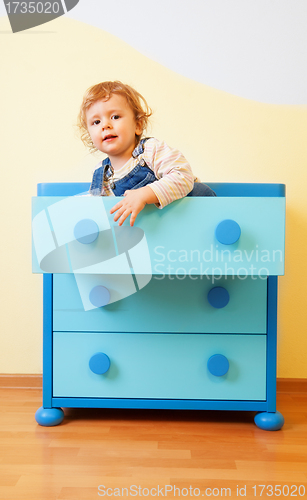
[(149, 453)]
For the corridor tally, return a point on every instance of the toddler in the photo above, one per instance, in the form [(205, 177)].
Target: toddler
[(112, 119)]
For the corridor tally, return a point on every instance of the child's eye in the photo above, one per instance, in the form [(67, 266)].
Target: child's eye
[(115, 117), (96, 122)]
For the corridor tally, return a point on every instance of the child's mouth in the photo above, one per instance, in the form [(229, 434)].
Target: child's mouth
[(109, 138)]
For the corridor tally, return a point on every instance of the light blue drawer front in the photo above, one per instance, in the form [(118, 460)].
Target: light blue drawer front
[(159, 366), (169, 304), (181, 238)]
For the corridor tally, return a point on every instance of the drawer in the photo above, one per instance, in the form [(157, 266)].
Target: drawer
[(187, 237), (170, 304), (192, 236), (160, 366)]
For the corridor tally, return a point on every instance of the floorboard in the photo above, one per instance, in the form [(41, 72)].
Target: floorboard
[(150, 453)]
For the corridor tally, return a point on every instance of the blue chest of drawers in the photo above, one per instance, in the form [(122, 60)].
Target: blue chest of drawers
[(179, 312)]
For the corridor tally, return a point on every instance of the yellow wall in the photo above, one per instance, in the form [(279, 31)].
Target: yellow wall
[(225, 138)]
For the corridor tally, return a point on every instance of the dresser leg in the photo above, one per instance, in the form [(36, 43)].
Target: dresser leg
[(49, 416), (269, 421)]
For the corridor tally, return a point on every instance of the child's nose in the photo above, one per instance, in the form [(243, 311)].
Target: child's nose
[(105, 123)]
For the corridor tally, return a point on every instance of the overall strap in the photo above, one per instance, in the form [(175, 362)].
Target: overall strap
[(98, 178), (139, 149)]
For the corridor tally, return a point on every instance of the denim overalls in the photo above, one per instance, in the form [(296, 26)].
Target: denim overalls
[(140, 176)]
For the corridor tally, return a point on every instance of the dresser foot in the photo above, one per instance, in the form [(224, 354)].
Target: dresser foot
[(49, 416), (269, 421)]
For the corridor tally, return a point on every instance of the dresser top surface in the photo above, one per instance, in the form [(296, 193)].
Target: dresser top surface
[(222, 189)]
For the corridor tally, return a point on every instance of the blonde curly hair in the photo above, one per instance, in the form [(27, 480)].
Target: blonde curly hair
[(103, 91)]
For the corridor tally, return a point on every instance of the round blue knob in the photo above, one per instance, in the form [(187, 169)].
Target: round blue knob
[(218, 365), (218, 297), (86, 231), (228, 232), (99, 363), (99, 296)]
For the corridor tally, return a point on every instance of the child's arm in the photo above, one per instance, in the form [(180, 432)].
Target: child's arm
[(174, 175), (133, 202)]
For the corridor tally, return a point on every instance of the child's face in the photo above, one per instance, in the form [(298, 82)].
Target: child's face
[(112, 127)]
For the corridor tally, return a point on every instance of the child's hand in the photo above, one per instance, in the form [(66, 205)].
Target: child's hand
[(133, 202)]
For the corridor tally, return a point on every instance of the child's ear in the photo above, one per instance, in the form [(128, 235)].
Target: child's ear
[(138, 128)]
